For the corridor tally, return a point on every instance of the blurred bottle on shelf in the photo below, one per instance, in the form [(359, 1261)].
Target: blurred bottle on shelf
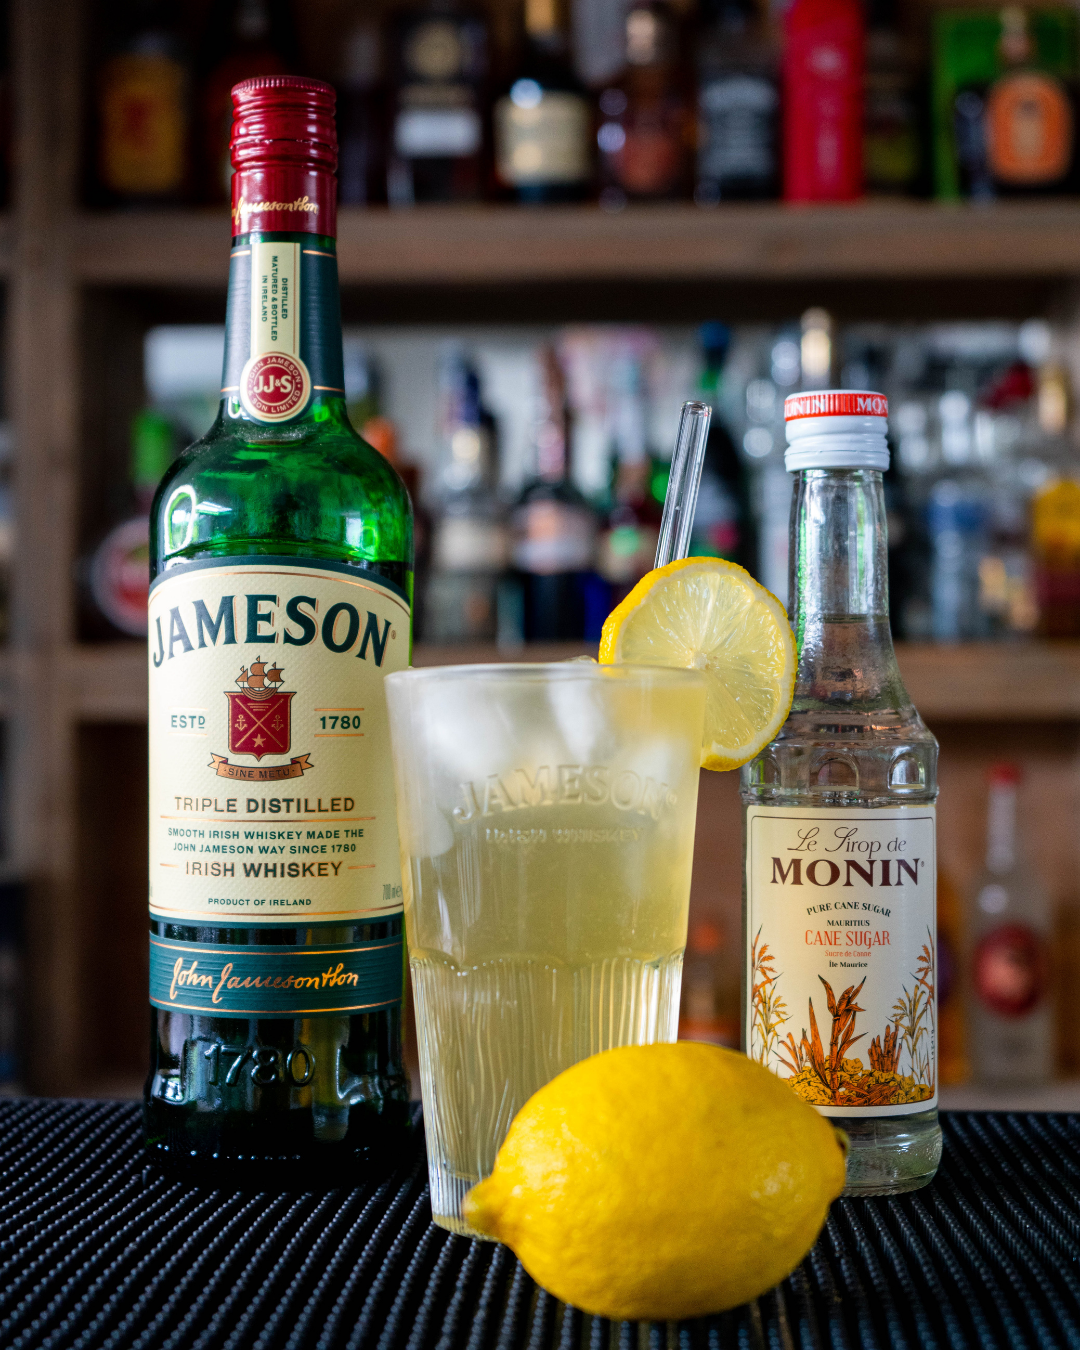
[(554, 528), (144, 108), (1005, 102), (598, 40), (439, 72), (914, 463), (959, 519), (243, 38), (958, 526), (626, 547), (118, 569), (722, 522), (1011, 1015), (777, 371), (822, 100), (817, 349), (953, 1065), (1055, 544), (1053, 411), (772, 495), (646, 133), (1004, 423), (469, 536), (892, 134), (738, 149), (361, 117), (710, 987), (1055, 509), (364, 402), (544, 123), (970, 450), (897, 515), (366, 406)]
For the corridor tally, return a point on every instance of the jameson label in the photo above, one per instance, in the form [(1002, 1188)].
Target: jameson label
[(271, 791), (283, 326), (329, 978), (842, 955)]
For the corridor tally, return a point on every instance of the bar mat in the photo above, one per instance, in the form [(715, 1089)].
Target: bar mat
[(95, 1256)]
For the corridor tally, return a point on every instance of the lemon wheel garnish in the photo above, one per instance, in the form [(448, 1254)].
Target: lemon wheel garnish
[(711, 615)]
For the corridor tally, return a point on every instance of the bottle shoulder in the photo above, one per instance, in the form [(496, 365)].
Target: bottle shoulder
[(858, 727), (318, 490), (844, 758)]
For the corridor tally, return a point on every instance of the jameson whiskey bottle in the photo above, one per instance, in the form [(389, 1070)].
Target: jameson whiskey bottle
[(281, 566), (841, 966)]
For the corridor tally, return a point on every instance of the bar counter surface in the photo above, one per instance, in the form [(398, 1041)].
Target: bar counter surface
[(99, 1252)]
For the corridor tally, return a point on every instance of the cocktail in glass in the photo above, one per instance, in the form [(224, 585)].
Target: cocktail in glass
[(546, 815)]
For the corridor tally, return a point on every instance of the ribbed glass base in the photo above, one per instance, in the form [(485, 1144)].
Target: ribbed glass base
[(891, 1154), (448, 1191), (492, 1034)]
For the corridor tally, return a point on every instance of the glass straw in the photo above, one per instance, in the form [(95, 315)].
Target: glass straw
[(680, 502)]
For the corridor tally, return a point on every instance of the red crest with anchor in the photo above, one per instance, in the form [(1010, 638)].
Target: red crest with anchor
[(260, 714)]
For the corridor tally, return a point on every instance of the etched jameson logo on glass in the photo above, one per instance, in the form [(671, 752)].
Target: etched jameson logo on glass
[(546, 816)]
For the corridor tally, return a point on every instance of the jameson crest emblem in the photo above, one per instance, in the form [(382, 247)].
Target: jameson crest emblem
[(259, 713), (260, 723), (274, 386)]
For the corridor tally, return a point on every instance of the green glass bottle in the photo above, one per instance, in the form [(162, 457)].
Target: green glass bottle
[(281, 585)]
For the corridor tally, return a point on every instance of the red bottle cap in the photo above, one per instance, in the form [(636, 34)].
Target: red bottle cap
[(284, 153), (835, 403)]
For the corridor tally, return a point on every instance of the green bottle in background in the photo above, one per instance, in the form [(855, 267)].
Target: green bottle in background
[(281, 566), (1005, 102)]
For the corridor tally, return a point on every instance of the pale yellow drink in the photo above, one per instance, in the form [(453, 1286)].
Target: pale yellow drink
[(547, 828)]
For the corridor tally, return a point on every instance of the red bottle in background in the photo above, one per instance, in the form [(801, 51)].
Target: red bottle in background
[(823, 88)]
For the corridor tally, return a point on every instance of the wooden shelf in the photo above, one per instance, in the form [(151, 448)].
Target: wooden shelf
[(509, 244), (108, 682), (979, 682), (993, 681)]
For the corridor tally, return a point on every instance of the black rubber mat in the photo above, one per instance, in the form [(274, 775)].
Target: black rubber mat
[(96, 1253)]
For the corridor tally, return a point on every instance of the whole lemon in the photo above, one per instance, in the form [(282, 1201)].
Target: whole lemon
[(661, 1182)]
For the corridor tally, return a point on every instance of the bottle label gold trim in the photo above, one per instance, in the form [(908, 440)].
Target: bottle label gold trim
[(842, 955), (271, 791), (327, 979)]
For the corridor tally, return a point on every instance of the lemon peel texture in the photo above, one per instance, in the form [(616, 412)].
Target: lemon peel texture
[(661, 1182)]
